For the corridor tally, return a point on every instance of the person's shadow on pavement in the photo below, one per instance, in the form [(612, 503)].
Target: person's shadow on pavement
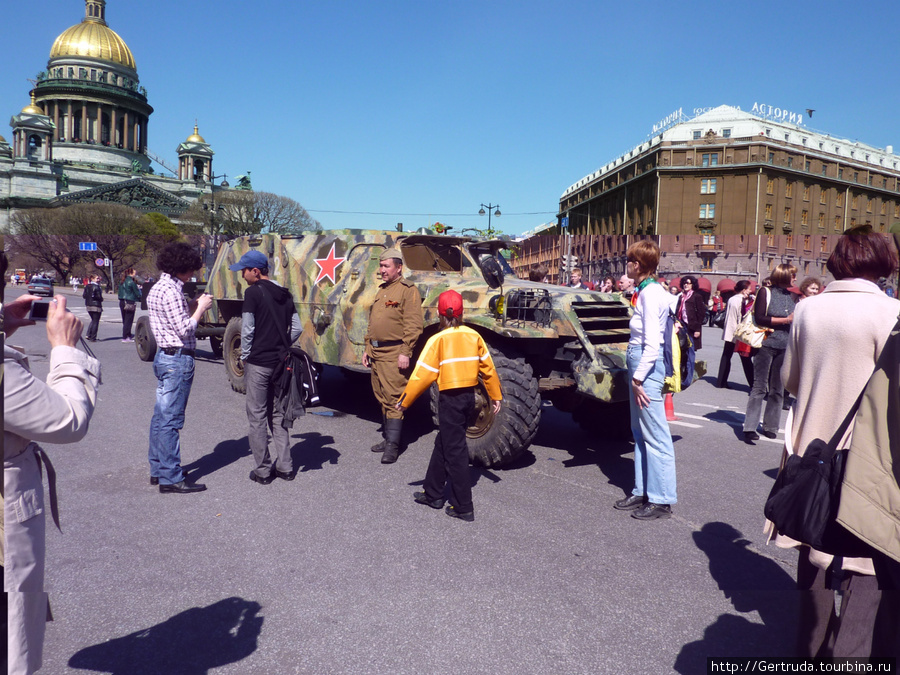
[(189, 643), (753, 583)]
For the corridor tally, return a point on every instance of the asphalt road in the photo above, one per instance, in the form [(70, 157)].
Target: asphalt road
[(340, 571)]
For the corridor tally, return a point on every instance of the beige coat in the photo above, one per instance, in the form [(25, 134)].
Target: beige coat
[(870, 495), (835, 340)]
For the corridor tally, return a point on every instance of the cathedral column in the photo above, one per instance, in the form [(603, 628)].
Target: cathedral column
[(125, 126), (56, 118), (99, 137), (84, 121), (113, 126), (135, 132)]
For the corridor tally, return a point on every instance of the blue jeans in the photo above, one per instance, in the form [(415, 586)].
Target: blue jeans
[(175, 375), (654, 453)]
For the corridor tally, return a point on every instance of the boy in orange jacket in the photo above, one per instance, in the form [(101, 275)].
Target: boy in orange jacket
[(454, 358)]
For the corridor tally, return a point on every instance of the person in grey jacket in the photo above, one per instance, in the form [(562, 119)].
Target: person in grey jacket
[(57, 411)]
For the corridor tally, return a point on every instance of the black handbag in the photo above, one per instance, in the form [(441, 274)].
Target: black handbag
[(804, 501)]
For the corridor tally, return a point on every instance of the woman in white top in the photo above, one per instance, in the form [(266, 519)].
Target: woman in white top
[(654, 453), (733, 317)]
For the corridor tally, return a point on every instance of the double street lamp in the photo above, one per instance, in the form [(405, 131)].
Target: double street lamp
[(482, 211)]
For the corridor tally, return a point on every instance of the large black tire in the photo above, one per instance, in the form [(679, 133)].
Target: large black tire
[(144, 341), (231, 351), (215, 345), (495, 440)]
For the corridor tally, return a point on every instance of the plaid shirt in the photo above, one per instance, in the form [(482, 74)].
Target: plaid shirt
[(170, 322)]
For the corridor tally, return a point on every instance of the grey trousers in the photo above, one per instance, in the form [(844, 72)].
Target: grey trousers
[(766, 377), (262, 413)]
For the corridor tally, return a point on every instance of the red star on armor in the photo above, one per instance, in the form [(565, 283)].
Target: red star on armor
[(328, 266)]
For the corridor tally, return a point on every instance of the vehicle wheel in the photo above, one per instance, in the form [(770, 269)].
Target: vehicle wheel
[(231, 350), (609, 420), (144, 340), (215, 344), (495, 440)]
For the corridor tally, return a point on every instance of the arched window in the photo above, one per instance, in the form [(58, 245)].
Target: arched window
[(198, 169), (34, 146)]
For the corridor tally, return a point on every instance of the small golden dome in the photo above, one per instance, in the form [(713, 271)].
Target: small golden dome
[(195, 137), (2, 140), (92, 37), (32, 108)]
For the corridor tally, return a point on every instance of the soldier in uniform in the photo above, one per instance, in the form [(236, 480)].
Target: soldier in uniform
[(395, 324)]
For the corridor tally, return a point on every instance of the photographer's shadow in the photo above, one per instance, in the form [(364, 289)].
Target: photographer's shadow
[(189, 643), (753, 583)]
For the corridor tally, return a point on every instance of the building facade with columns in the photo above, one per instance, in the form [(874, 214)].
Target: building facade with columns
[(84, 135)]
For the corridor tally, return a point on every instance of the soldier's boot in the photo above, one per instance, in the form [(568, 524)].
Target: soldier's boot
[(379, 447), (392, 431)]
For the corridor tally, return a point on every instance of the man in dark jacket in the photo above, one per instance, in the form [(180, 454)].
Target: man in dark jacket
[(93, 302), (269, 326)]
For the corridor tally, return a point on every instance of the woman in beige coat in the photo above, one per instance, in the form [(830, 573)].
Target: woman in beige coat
[(835, 341)]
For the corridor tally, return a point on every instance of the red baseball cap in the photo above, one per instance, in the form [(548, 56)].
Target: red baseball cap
[(450, 304)]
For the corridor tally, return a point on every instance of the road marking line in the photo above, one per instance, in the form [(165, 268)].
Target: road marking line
[(686, 424), (694, 417)]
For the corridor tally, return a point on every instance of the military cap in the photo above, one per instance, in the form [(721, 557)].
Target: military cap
[(391, 253)]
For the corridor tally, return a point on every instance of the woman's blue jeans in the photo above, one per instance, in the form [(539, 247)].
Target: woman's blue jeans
[(654, 453), (174, 375)]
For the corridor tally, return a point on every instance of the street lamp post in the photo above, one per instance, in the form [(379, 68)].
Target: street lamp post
[(213, 209), (482, 211)]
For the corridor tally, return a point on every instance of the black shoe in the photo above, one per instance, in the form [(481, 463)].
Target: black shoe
[(651, 511), (453, 513), (285, 475), (422, 498), (631, 502), (379, 447), (391, 453), (182, 488), (750, 436), (262, 481), (769, 434), (154, 480)]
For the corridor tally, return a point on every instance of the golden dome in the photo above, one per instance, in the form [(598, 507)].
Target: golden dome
[(2, 140), (195, 137), (93, 38), (32, 108)]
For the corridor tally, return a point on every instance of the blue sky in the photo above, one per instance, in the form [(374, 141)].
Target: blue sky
[(427, 109)]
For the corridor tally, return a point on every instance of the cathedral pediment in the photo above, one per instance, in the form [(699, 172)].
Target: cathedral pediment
[(136, 193)]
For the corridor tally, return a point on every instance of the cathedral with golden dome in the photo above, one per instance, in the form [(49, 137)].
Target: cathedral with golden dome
[(83, 136)]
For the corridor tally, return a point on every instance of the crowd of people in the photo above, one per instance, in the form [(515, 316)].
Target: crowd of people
[(825, 345)]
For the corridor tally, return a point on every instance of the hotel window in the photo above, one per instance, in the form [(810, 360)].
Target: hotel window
[(709, 238), (726, 133), (771, 158), (840, 173), (770, 240), (807, 165), (787, 137), (870, 180), (806, 193), (697, 134), (707, 211), (824, 169), (789, 190), (884, 183), (823, 244), (869, 205), (853, 222), (837, 223), (789, 241), (804, 217), (708, 186), (821, 221), (854, 203), (710, 159), (807, 242), (770, 187), (787, 214), (856, 176), (823, 196), (896, 210), (768, 212), (840, 199), (790, 162)]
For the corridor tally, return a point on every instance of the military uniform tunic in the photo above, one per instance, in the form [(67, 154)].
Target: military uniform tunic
[(395, 324)]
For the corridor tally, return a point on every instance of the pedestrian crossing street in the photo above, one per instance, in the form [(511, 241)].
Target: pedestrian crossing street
[(735, 419)]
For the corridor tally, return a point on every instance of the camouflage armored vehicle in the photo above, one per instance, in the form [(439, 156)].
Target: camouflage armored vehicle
[(548, 342)]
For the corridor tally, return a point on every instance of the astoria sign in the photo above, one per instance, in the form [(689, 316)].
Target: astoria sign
[(777, 114)]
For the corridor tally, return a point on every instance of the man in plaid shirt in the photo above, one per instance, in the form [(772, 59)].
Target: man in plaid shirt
[(173, 325)]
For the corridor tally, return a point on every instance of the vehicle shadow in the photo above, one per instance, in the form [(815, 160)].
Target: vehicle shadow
[(190, 643), (754, 584)]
